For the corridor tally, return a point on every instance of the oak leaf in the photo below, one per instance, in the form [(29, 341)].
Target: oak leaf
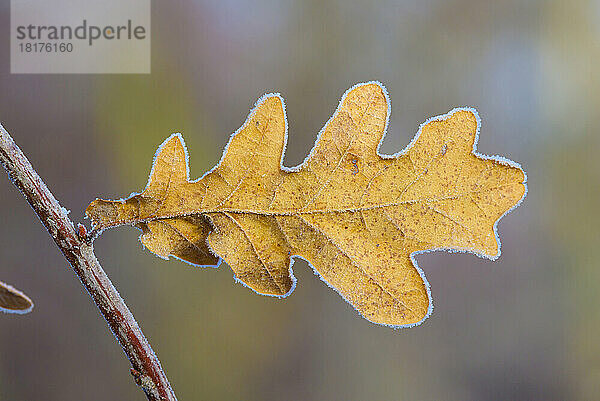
[(356, 216), (13, 300)]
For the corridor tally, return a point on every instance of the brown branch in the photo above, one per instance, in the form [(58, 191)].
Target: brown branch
[(79, 252)]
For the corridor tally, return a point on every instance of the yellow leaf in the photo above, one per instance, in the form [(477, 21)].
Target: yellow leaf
[(356, 216), (13, 300)]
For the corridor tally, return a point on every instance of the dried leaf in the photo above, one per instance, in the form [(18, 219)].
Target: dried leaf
[(13, 300), (356, 216)]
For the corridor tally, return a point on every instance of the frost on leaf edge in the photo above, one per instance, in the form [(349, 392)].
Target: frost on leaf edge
[(473, 111)]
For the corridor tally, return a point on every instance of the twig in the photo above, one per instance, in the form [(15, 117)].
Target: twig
[(78, 250)]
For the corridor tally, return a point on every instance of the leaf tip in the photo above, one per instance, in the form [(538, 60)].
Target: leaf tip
[(13, 300), (270, 101), (369, 89)]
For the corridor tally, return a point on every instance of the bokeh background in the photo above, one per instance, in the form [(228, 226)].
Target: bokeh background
[(525, 327)]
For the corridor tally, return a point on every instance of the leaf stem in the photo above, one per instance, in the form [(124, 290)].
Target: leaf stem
[(80, 254)]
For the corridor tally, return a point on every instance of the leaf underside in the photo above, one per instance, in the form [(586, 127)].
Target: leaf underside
[(354, 215), (13, 300)]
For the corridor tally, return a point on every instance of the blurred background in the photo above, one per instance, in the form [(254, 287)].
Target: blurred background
[(525, 327)]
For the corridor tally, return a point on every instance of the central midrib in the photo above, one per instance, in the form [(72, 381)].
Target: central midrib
[(298, 212)]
